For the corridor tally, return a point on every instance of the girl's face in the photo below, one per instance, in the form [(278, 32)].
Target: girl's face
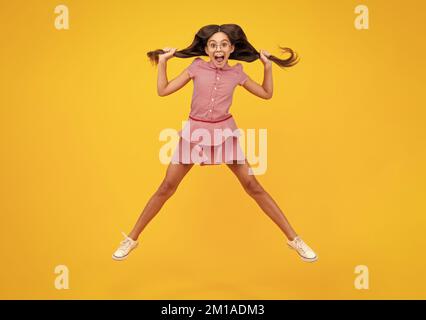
[(219, 48)]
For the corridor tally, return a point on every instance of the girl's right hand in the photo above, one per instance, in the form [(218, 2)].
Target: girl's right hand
[(264, 55), (166, 56)]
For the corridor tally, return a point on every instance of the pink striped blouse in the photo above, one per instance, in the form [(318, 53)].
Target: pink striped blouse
[(211, 100), (213, 88), (212, 95)]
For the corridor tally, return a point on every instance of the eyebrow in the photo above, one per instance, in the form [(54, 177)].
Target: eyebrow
[(220, 41)]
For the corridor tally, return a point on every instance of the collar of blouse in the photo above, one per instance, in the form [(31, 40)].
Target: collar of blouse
[(225, 67)]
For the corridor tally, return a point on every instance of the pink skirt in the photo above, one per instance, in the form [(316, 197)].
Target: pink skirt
[(209, 143)]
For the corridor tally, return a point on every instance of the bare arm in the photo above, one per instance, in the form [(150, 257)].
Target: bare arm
[(264, 91), (164, 87)]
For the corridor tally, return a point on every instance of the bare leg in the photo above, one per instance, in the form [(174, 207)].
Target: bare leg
[(174, 175), (263, 199)]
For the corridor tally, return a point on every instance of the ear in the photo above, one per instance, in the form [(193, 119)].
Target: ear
[(205, 50), (233, 48)]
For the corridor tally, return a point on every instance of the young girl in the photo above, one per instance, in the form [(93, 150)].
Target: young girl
[(214, 84)]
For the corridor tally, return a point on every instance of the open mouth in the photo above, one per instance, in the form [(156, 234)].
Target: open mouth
[(219, 58)]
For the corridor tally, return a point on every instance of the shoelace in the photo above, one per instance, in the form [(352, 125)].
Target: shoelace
[(301, 245), (124, 244)]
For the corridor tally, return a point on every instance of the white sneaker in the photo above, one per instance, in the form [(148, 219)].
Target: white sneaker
[(125, 247), (304, 251)]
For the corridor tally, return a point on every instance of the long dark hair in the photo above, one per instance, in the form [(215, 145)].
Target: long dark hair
[(243, 51)]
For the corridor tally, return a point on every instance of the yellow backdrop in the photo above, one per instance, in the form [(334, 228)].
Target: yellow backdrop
[(80, 124)]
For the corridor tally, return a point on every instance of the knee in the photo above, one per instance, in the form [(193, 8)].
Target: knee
[(166, 189), (253, 188)]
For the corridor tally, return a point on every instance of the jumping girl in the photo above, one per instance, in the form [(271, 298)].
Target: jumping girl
[(214, 84)]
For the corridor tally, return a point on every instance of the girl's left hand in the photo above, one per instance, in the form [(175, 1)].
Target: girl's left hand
[(264, 58)]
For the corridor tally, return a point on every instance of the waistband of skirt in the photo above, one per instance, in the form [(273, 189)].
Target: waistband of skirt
[(211, 121)]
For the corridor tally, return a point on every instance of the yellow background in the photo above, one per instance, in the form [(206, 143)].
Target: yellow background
[(80, 120)]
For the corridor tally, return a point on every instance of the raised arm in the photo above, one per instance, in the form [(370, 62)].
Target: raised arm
[(264, 91), (165, 87)]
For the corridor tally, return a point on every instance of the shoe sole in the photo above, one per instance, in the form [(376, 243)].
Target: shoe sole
[(303, 258), (118, 258), (125, 257)]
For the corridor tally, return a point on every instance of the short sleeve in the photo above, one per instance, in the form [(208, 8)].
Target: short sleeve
[(242, 76), (192, 68)]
